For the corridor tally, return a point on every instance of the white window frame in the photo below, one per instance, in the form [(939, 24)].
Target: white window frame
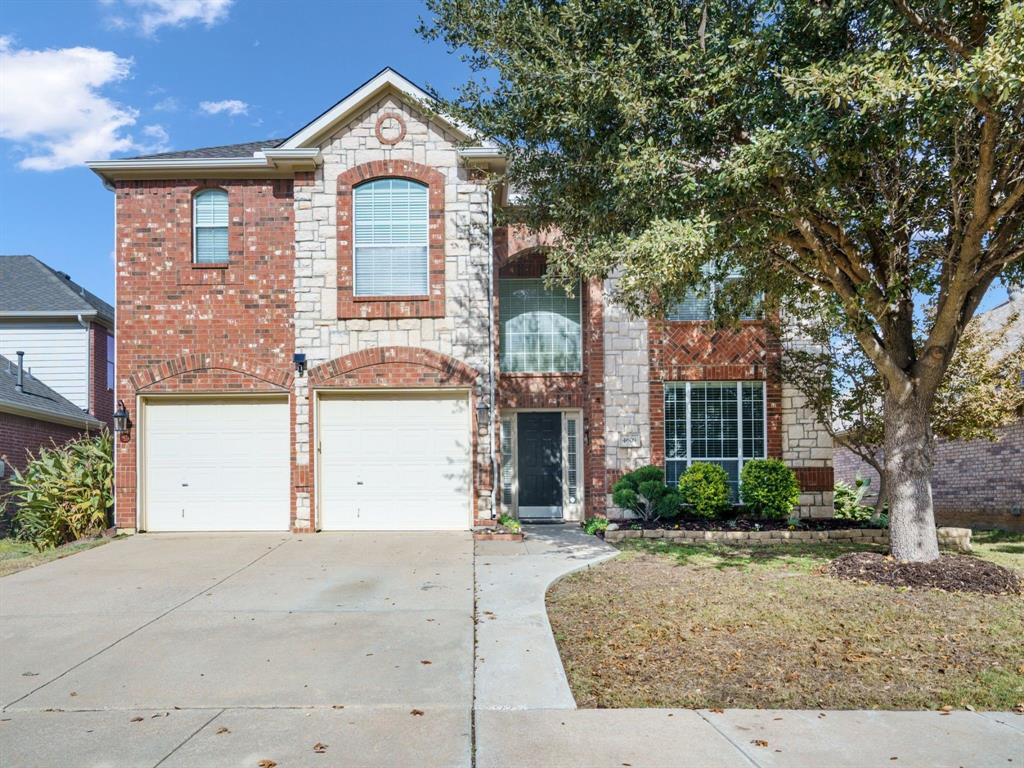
[(572, 505), (503, 335), (355, 247), (196, 226), (111, 359), (739, 458)]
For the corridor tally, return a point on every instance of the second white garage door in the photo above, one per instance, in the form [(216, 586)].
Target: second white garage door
[(395, 462), (216, 465)]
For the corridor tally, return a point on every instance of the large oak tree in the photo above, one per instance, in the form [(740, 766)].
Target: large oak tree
[(870, 150)]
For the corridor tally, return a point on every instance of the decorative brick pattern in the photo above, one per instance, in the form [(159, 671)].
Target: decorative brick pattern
[(814, 478), (186, 329), (431, 305), (395, 367)]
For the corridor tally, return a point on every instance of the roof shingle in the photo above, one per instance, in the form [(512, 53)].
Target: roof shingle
[(38, 398), (27, 285), (225, 151)]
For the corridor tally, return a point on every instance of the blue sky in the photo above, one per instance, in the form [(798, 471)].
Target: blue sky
[(173, 74), (90, 79)]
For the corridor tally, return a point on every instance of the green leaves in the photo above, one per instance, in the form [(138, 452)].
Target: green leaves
[(769, 488), (644, 493), (704, 488), (65, 492)]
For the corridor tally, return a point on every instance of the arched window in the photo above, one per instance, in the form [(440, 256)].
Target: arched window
[(391, 238), (210, 227)]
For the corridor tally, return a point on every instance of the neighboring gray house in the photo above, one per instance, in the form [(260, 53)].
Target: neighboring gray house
[(65, 331)]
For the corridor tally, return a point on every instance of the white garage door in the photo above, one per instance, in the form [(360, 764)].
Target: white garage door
[(216, 465), (395, 462)]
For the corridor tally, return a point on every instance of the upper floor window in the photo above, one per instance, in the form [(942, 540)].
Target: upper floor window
[(540, 327), (110, 361), (391, 238), (210, 227), (697, 305), (719, 422)]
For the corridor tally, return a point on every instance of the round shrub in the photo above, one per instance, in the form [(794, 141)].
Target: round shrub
[(644, 493), (704, 488), (769, 488)]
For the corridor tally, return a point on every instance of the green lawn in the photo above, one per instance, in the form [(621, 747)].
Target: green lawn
[(18, 555), (714, 626)]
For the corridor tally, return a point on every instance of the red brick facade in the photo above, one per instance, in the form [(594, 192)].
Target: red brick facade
[(101, 397), (183, 327), (352, 306), (697, 351)]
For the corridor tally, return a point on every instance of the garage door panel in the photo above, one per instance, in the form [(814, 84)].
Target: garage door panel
[(399, 463), (216, 465)]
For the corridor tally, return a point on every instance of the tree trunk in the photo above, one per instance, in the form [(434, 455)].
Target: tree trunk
[(908, 479)]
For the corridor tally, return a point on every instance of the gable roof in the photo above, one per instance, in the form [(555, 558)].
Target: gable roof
[(38, 401), (277, 157), (29, 288)]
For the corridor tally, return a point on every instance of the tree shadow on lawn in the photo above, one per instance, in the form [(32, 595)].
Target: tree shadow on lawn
[(803, 556)]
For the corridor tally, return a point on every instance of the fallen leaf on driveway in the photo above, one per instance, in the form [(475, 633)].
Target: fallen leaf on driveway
[(416, 713), (137, 719), (759, 743), (30, 674), (319, 748), (337, 706), (223, 729), (426, 661), (717, 710), (267, 764)]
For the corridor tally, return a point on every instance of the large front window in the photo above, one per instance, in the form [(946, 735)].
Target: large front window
[(719, 422), (540, 328), (391, 238)]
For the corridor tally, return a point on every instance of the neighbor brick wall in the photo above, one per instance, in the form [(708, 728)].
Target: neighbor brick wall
[(101, 399), (188, 328), (19, 436), (975, 483)]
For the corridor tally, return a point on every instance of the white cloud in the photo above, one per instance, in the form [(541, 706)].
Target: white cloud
[(167, 104), (150, 15), (53, 109), (229, 106)]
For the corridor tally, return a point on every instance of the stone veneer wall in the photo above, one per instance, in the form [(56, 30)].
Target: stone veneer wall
[(807, 447), (462, 333), (627, 390)]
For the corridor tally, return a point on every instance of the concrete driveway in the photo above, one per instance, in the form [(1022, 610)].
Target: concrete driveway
[(194, 650)]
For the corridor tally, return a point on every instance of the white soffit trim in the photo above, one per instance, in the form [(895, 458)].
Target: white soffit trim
[(372, 88), (266, 160)]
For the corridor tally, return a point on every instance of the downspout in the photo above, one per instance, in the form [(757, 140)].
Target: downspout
[(493, 432), (90, 405)]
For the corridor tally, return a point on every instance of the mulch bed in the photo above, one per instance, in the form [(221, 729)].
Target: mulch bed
[(742, 524), (953, 573)]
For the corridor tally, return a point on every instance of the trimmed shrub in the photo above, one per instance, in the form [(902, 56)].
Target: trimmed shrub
[(644, 493), (704, 488), (595, 525), (65, 492), (769, 488)]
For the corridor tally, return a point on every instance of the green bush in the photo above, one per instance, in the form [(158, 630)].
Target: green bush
[(65, 492), (595, 525), (510, 523), (769, 488), (644, 493), (704, 488), (847, 501)]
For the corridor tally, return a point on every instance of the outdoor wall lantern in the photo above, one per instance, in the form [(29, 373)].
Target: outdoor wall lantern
[(482, 409), (299, 360), (122, 422)]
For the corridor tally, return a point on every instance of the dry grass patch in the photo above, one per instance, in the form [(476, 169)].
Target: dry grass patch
[(712, 626), (18, 555)]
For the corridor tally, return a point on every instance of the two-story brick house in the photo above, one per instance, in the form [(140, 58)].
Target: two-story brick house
[(327, 332)]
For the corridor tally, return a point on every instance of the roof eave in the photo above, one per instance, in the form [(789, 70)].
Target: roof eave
[(41, 414), (263, 163)]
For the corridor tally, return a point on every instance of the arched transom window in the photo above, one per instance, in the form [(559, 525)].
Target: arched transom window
[(391, 238), (210, 227)]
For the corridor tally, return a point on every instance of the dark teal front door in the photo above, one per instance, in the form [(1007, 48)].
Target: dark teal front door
[(540, 465)]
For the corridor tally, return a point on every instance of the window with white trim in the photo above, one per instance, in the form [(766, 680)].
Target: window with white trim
[(210, 227), (719, 422), (540, 327), (699, 305), (391, 238)]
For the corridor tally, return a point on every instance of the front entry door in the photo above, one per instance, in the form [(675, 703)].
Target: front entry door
[(540, 465)]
